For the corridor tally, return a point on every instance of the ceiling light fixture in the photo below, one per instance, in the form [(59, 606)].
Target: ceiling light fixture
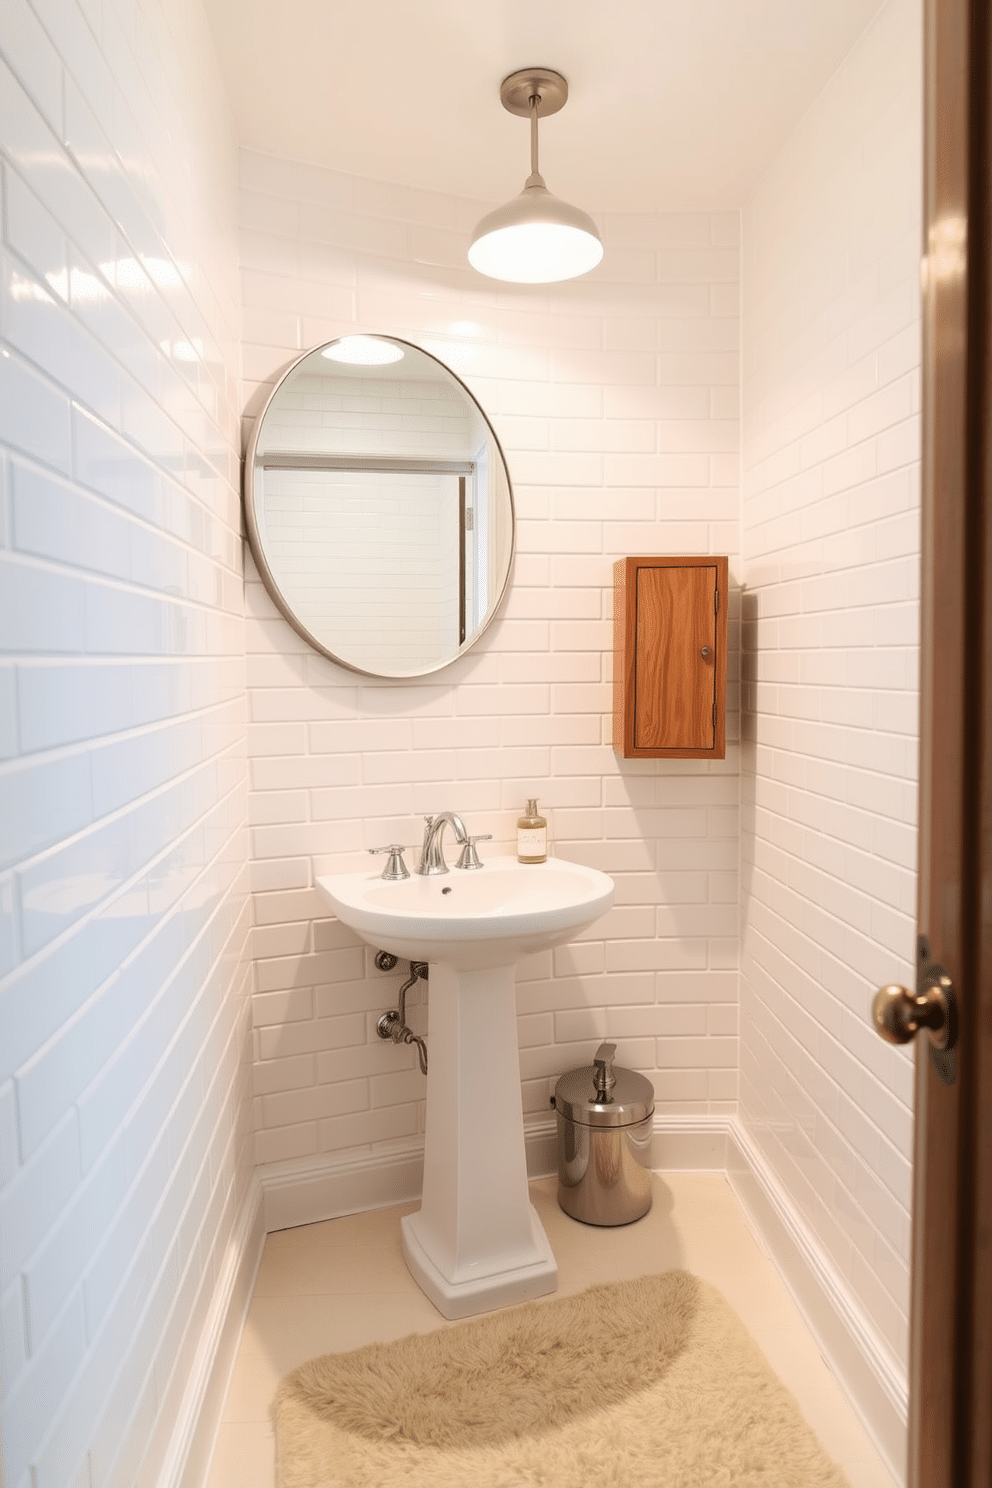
[(536, 238), (363, 351)]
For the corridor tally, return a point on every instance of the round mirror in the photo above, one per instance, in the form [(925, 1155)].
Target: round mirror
[(379, 506)]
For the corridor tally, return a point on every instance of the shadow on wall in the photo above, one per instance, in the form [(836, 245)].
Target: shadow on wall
[(748, 744)]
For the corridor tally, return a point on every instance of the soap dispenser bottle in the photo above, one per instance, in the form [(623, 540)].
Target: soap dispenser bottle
[(532, 835)]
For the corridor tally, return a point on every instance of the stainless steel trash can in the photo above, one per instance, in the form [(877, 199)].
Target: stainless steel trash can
[(604, 1142)]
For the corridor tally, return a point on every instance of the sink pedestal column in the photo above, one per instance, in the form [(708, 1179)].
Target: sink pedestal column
[(476, 1242)]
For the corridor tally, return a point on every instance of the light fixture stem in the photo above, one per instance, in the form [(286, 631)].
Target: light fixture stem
[(535, 99)]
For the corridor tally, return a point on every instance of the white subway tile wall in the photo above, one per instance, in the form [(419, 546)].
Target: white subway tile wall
[(125, 1117), (134, 1059), (616, 402), (830, 647)]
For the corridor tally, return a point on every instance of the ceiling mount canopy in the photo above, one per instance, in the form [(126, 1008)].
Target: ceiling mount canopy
[(536, 238)]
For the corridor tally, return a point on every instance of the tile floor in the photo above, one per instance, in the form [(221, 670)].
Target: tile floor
[(328, 1287)]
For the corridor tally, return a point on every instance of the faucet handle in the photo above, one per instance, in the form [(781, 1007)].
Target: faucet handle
[(395, 867), (468, 857)]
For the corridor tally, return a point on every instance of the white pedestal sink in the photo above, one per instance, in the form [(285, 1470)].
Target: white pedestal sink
[(476, 1242)]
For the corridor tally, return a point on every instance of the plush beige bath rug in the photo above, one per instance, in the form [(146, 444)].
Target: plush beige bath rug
[(653, 1383)]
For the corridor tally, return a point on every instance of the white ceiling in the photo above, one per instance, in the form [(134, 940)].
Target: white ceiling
[(674, 104)]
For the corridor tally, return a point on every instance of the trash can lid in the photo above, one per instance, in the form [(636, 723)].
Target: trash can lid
[(580, 1094)]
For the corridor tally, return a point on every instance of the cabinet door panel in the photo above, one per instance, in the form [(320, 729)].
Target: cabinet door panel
[(669, 657), (674, 681)]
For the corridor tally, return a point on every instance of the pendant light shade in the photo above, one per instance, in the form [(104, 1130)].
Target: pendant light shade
[(536, 238)]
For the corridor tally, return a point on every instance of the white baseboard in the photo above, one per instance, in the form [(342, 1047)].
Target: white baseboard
[(874, 1381), (192, 1443), (309, 1190)]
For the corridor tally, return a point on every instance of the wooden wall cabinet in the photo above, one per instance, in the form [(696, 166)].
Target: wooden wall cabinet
[(670, 657)]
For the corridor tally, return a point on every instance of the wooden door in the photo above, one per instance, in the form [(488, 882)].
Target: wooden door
[(951, 1330)]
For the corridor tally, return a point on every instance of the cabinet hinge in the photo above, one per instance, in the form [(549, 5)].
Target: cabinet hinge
[(714, 715), (716, 601)]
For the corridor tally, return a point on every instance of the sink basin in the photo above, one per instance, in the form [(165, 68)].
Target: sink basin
[(476, 1242), (471, 919)]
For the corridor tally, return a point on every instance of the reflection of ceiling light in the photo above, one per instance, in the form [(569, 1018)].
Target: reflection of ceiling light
[(28, 289), (134, 273), (183, 351), (947, 250), (85, 288), (536, 238), (363, 351)]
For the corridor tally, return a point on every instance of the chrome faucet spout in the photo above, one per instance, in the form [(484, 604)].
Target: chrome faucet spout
[(432, 855)]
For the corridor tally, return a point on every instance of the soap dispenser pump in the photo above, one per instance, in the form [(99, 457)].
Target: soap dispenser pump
[(532, 835)]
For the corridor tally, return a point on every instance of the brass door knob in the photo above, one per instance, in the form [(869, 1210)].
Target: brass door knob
[(899, 1014)]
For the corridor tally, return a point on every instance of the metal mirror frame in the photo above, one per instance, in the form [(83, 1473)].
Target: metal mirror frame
[(255, 542)]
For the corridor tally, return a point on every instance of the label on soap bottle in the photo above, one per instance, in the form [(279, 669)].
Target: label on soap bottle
[(532, 844)]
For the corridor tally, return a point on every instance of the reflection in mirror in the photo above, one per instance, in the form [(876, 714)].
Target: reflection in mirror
[(379, 506)]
